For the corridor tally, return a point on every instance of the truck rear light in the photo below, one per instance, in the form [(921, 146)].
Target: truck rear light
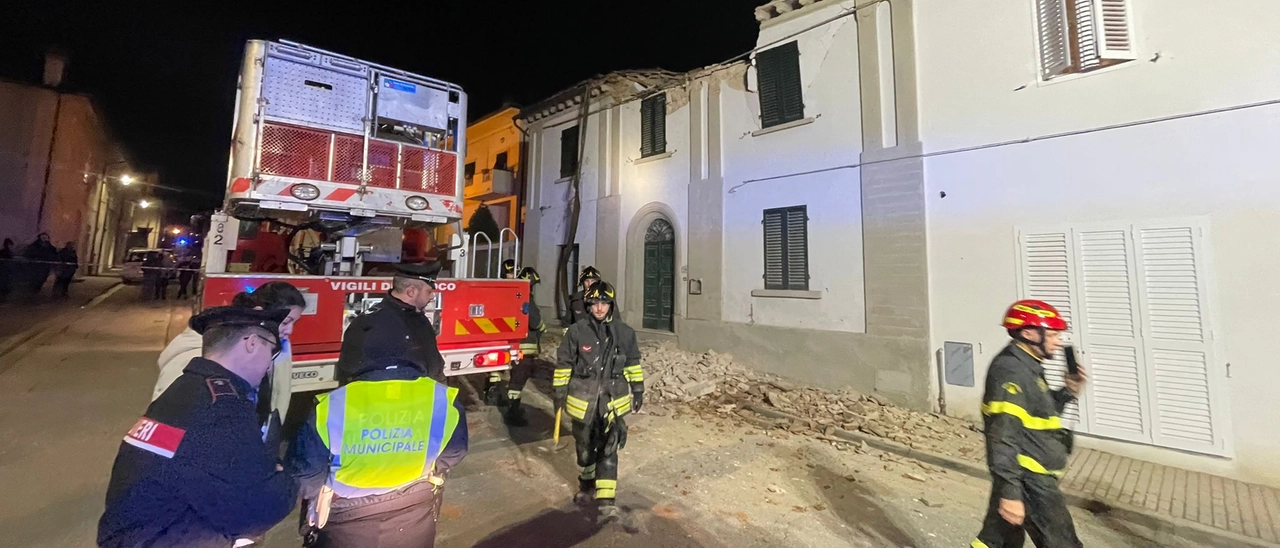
[(493, 358), (416, 203), (304, 191)]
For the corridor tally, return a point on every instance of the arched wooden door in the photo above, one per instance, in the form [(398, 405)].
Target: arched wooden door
[(659, 275)]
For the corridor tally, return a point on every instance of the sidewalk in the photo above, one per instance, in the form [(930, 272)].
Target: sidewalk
[(1171, 503), (1182, 497), (18, 318)]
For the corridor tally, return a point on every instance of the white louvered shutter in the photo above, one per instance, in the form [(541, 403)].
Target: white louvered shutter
[(1113, 24), (798, 249), (1047, 275), (1051, 30), (1086, 36), (1178, 339), (1108, 323)]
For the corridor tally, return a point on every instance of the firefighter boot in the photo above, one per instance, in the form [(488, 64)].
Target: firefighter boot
[(493, 390), (514, 416), (586, 492), (609, 511)]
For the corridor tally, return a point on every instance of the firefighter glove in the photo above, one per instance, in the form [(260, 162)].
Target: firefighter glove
[(562, 395), (637, 400)]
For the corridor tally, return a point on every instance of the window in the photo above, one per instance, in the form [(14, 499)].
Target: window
[(468, 173), (1083, 35), (786, 248), (500, 162), (653, 126), (569, 151), (781, 100)]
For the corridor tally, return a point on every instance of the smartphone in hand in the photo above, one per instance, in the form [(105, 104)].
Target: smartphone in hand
[(1073, 366)]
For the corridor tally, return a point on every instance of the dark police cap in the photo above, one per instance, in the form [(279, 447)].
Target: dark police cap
[(426, 272), (234, 316)]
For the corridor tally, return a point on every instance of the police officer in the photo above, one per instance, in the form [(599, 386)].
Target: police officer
[(195, 470), (1027, 447), (577, 307), (375, 454), (522, 369), (598, 380), (397, 329)]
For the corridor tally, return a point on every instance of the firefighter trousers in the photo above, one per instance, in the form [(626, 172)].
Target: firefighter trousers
[(1047, 521), (597, 444), (521, 371)]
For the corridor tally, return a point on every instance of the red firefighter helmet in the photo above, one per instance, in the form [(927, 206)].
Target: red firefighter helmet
[(1032, 313)]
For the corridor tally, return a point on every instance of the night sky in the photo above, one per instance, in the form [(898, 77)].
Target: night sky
[(166, 75)]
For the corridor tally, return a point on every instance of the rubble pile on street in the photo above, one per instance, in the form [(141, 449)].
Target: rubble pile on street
[(711, 384)]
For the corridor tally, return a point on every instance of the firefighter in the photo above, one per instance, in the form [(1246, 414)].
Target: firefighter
[(1027, 446), (577, 308), (374, 457), (397, 330), (598, 380), (197, 469), (493, 385), (522, 369)]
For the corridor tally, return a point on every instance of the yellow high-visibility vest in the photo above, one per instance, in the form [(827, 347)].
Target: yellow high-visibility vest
[(383, 435)]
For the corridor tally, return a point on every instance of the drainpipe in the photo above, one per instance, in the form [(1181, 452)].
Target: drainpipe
[(48, 164), (521, 173)]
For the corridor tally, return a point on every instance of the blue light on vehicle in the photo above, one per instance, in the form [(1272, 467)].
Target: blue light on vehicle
[(249, 289)]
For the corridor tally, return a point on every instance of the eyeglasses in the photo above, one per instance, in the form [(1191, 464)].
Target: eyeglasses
[(276, 346)]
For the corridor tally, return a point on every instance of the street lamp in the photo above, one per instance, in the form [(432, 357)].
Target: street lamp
[(177, 231), (126, 179), (144, 204)]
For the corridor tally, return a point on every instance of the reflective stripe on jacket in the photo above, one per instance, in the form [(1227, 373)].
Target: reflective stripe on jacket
[(1023, 424), (598, 365), (388, 433)]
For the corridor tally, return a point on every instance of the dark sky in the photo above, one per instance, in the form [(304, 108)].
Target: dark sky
[(166, 75)]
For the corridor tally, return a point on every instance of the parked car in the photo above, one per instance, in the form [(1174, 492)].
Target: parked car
[(132, 271)]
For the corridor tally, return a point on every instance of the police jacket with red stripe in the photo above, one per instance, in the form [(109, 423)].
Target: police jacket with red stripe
[(1022, 418), (194, 470)]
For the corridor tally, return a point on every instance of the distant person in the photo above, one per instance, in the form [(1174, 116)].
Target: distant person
[(7, 269), (42, 255), (68, 264), (187, 268), (197, 469), (150, 275), (164, 270)]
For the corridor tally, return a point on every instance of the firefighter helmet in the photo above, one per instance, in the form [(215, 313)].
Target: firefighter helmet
[(528, 273), (508, 268), (589, 273), (600, 292), (1032, 313)]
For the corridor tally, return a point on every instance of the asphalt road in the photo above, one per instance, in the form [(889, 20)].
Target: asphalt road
[(686, 481)]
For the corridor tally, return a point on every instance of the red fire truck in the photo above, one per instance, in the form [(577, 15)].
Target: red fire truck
[(340, 169)]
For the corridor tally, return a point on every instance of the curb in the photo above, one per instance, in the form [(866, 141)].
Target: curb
[(52, 326), (1161, 528)]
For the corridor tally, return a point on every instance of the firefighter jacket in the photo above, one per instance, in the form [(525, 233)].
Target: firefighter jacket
[(392, 333), (536, 328), (598, 366), (1023, 425)]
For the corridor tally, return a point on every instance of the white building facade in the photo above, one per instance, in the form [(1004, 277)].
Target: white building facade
[(1145, 207), (856, 203)]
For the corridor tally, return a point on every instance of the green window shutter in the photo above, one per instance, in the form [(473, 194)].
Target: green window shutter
[(778, 73), (653, 125), (786, 248), (569, 151)]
